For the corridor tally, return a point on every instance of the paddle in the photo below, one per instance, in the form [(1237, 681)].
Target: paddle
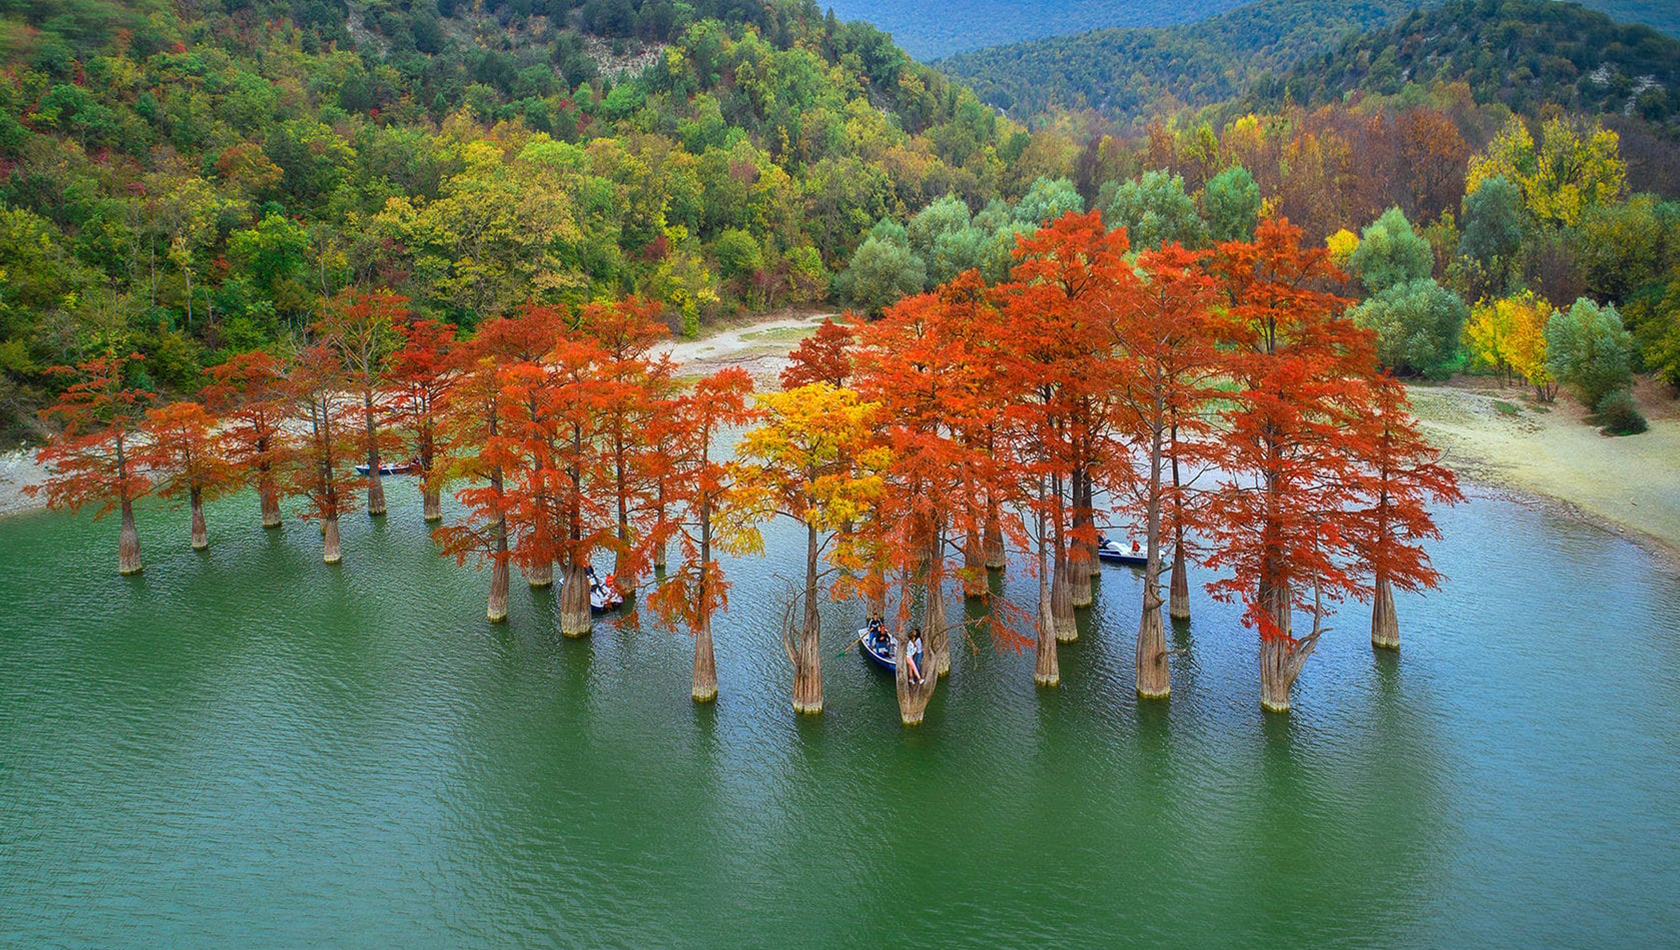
[(848, 647)]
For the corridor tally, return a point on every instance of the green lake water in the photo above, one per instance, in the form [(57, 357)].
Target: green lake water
[(247, 748)]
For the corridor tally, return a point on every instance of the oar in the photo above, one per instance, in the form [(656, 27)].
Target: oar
[(848, 647)]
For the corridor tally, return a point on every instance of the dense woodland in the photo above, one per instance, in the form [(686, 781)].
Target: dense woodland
[(191, 180)]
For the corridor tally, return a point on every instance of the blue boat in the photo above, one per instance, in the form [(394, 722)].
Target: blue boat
[(880, 648), (1113, 553)]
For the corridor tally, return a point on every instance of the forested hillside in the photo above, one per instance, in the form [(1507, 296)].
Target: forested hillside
[(191, 179), (1129, 74), (1523, 53), (928, 30)]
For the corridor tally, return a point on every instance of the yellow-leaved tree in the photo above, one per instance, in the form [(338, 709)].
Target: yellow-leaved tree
[(813, 458), (1575, 167), (1509, 335)]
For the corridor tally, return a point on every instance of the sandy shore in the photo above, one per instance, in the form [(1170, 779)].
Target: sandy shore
[(1500, 436)]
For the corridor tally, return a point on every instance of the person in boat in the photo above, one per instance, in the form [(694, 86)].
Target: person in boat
[(913, 649), (1135, 548)]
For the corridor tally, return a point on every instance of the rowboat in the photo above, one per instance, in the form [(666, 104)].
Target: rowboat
[(880, 648), (392, 468), (1113, 553)]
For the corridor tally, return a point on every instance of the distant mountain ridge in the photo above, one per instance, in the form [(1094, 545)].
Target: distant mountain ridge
[(935, 28), (1133, 73)]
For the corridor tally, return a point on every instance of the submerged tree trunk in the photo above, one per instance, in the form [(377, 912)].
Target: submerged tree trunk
[(805, 649), (330, 550), (974, 567), (200, 534), (1152, 677), (1179, 608), (937, 639), (705, 664), (375, 484), (912, 697), (128, 542), (1281, 656), (270, 496), (1061, 600), (1081, 556), (431, 501), (542, 575), (1087, 517), (574, 601), (996, 556), (1385, 626), (496, 608)]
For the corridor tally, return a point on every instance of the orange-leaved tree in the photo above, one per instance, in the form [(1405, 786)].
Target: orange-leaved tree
[(1069, 279), (932, 365), (248, 394), (365, 330), (1167, 361), (325, 471), (813, 459), (707, 517), (185, 457), (1277, 521), (478, 447), (636, 382), (422, 372), (1398, 478), (91, 459), (823, 357)]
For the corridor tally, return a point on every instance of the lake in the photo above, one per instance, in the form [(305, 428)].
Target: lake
[(249, 748)]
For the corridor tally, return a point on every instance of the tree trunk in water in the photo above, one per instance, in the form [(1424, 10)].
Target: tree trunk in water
[(270, 501), (806, 650), (1080, 589), (574, 602), (542, 575), (431, 504), (1385, 626), (996, 555), (659, 559), (1061, 601), (912, 697), (1086, 517), (937, 640), (705, 664), (375, 485), (128, 542), (1047, 671), (1281, 657), (330, 552), (974, 567), (1179, 607), (1151, 660), (200, 534), (496, 609)]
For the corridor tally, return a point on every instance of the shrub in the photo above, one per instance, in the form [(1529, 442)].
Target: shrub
[(1618, 415)]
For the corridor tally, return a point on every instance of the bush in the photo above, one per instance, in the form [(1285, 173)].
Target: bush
[(1618, 415)]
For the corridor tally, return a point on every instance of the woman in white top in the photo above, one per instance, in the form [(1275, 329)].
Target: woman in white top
[(913, 649)]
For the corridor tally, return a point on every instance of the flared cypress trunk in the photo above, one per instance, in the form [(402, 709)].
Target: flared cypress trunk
[(1179, 600), (806, 648), (1061, 600), (574, 601), (128, 542), (1081, 592), (705, 664), (1047, 670), (431, 501), (375, 484), (200, 534), (270, 496), (1087, 518), (496, 608), (542, 575), (996, 555), (912, 697), (1385, 626), (330, 546), (1151, 658), (974, 567), (1281, 656)]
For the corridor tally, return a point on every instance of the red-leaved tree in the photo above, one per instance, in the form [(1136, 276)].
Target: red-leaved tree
[(422, 373), (185, 457), (91, 459), (823, 357), (248, 394), (325, 472)]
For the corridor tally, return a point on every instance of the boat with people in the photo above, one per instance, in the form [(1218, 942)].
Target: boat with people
[(410, 467), (603, 595), (1113, 552), (878, 645)]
